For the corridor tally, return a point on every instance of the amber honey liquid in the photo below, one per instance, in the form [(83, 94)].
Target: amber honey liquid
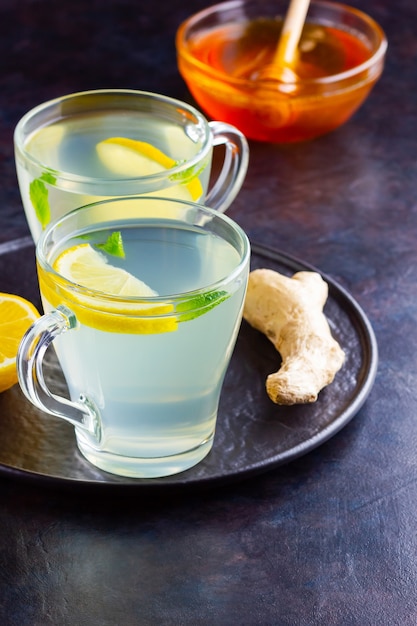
[(245, 52), (242, 51)]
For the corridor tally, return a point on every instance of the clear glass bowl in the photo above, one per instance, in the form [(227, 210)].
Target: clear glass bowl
[(267, 108)]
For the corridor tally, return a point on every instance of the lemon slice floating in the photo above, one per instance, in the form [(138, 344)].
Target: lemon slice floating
[(130, 158), (16, 316), (88, 268)]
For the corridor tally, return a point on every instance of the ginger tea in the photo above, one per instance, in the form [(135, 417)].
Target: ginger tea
[(153, 370), (98, 155)]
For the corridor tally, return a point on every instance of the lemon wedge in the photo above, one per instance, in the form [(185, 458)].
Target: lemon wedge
[(89, 268), (130, 158), (16, 316)]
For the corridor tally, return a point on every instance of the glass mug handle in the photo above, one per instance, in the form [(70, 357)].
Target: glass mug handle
[(234, 168), (30, 372)]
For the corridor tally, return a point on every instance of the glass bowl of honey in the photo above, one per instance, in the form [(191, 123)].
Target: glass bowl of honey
[(225, 54)]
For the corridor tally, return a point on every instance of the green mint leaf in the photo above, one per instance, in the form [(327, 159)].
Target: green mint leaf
[(49, 178), (188, 174), (198, 305), (38, 193), (113, 245)]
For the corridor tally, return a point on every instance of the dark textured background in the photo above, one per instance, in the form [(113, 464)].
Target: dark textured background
[(329, 539)]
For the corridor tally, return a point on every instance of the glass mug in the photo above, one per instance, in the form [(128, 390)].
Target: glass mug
[(95, 145), (145, 371)]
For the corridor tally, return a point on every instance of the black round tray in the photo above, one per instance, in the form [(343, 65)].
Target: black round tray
[(253, 435)]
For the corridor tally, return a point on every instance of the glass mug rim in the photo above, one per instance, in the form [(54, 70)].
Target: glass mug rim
[(112, 220), (191, 113)]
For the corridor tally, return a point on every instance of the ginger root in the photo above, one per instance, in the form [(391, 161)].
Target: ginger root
[(289, 311)]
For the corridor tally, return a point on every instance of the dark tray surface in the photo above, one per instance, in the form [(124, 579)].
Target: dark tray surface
[(253, 435)]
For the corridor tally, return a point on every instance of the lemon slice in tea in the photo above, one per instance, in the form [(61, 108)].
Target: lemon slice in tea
[(130, 158), (89, 268), (86, 266)]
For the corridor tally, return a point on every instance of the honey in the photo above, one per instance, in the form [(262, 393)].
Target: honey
[(234, 88)]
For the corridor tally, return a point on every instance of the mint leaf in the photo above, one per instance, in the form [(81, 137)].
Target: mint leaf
[(48, 178), (188, 174), (198, 305), (113, 245), (38, 193)]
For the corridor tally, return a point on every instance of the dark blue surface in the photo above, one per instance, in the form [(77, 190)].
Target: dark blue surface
[(329, 539)]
